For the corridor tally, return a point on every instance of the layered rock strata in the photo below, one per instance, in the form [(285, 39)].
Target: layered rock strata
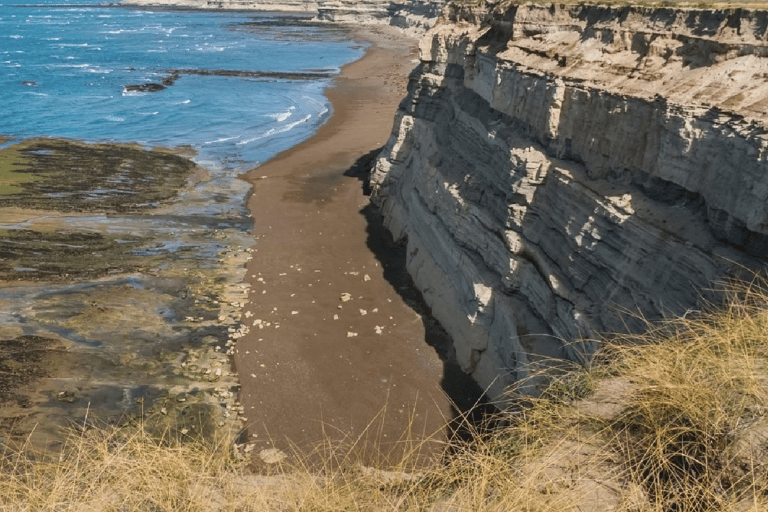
[(563, 171), (414, 17)]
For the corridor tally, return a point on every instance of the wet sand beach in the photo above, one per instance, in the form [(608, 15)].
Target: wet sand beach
[(339, 346)]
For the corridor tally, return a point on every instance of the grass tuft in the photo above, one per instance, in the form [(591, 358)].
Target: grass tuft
[(674, 420)]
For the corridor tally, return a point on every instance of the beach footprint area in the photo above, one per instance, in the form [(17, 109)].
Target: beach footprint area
[(121, 275)]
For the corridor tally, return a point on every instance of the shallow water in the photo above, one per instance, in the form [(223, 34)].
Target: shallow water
[(116, 307)]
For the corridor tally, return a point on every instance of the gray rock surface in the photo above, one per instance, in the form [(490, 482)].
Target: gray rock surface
[(564, 171)]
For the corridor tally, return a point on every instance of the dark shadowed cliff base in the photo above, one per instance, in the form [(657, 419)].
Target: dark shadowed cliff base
[(339, 346)]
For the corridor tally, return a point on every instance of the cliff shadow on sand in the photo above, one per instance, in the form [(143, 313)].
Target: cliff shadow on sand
[(469, 407)]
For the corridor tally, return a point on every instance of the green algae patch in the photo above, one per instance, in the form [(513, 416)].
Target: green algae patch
[(35, 255), (11, 160), (23, 360), (66, 175)]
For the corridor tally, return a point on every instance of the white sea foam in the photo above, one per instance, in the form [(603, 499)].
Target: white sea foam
[(223, 139), (275, 131), (282, 116), (16, 36), (115, 119)]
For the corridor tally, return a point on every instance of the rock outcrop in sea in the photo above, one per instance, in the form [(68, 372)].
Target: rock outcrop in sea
[(561, 171)]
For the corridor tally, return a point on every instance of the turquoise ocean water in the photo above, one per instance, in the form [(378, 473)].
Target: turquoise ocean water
[(239, 86)]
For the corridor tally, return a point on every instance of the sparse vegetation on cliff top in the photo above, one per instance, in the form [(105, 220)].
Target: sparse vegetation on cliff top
[(673, 420)]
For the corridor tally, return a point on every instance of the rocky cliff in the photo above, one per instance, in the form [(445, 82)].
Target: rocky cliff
[(563, 171), (414, 17)]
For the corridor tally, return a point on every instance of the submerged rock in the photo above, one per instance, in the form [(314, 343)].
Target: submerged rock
[(150, 87)]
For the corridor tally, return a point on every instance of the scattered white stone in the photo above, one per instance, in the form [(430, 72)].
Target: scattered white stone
[(363, 312), (379, 329), (351, 334), (272, 455), (366, 277), (345, 297), (294, 312), (335, 317)]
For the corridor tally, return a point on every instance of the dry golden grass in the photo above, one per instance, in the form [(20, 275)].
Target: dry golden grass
[(672, 420)]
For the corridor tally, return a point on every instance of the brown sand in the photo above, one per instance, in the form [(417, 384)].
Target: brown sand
[(317, 367)]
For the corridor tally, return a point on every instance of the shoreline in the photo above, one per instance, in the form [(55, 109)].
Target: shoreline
[(338, 348)]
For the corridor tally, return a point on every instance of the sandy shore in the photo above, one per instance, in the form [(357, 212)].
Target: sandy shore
[(337, 347)]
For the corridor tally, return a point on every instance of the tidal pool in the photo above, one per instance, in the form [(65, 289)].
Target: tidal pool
[(121, 271)]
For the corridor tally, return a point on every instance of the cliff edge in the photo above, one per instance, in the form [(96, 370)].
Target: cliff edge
[(567, 170)]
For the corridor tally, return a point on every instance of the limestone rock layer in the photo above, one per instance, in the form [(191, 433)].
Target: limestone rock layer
[(564, 171)]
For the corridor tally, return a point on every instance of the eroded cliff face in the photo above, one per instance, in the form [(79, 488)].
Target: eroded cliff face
[(559, 171), (414, 17)]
